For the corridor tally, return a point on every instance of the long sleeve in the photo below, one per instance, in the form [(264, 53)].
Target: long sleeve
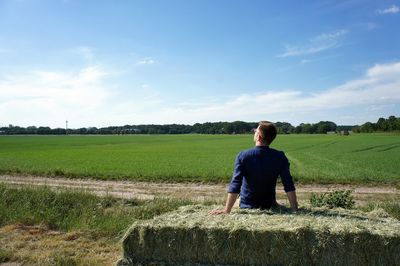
[(286, 177), (237, 176)]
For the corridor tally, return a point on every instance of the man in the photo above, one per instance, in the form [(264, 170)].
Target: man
[(256, 172)]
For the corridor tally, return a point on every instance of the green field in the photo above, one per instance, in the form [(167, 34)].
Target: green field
[(359, 158)]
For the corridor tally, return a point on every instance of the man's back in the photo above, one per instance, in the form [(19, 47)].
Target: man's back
[(255, 176), (256, 172)]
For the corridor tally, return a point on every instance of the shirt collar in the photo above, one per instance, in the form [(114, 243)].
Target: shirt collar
[(262, 147)]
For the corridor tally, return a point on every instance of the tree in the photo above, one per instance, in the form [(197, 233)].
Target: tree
[(392, 123), (367, 127), (44, 131), (298, 129), (306, 128), (382, 124), (284, 127), (323, 127)]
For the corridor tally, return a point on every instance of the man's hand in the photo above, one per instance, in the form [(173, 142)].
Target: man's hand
[(292, 200), (228, 206), (218, 212)]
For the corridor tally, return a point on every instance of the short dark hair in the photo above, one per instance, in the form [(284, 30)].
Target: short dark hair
[(267, 131)]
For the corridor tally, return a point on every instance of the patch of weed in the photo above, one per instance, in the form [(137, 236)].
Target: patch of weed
[(335, 199), (62, 259), (5, 256)]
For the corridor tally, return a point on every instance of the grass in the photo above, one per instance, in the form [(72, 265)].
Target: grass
[(5, 256), (76, 210), (63, 259), (92, 226), (62, 227), (35, 245), (156, 158), (359, 158), (391, 207)]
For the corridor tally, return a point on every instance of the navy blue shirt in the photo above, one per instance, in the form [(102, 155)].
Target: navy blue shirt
[(255, 175)]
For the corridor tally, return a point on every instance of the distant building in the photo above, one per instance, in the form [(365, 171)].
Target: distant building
[(345, 132)]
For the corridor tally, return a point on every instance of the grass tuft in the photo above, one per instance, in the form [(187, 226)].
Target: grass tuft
[(63, 259), (5, 256), (391, 207)]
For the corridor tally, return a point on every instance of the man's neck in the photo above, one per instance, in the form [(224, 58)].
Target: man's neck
[(260, 144)]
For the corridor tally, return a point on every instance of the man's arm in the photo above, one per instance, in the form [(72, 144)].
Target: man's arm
[(292, 200), (230, 201), (234, 187), (288, 185)]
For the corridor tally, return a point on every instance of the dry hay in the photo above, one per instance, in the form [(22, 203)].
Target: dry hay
[(190, 236)]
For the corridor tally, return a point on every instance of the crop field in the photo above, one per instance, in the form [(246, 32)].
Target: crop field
[(359, 158)]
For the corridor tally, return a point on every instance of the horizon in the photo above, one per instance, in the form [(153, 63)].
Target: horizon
[(294, 125), (186, 62)]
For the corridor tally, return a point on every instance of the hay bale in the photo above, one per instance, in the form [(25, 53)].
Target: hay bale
[(190, 236)]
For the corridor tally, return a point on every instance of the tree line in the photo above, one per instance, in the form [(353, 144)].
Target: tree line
[(382, 125), (238, 127)]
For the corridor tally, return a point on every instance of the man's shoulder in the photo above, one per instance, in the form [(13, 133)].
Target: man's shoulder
[(248, 151), (276, 151), (258, 150)]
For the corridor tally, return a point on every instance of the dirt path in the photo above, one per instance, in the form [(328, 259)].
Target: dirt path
[(124, 189), (192, 191)]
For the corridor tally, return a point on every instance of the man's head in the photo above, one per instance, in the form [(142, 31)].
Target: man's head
[(265, 133)]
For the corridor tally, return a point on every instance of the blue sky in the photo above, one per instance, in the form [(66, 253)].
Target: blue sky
[(101, 63)]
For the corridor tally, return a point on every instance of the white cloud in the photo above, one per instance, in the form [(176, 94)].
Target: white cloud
[(145, 86), (45, 97), (390, 10), (329, 37), (317, 44), (146, 61), (379, 87), (318, 59), (82, 98)]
